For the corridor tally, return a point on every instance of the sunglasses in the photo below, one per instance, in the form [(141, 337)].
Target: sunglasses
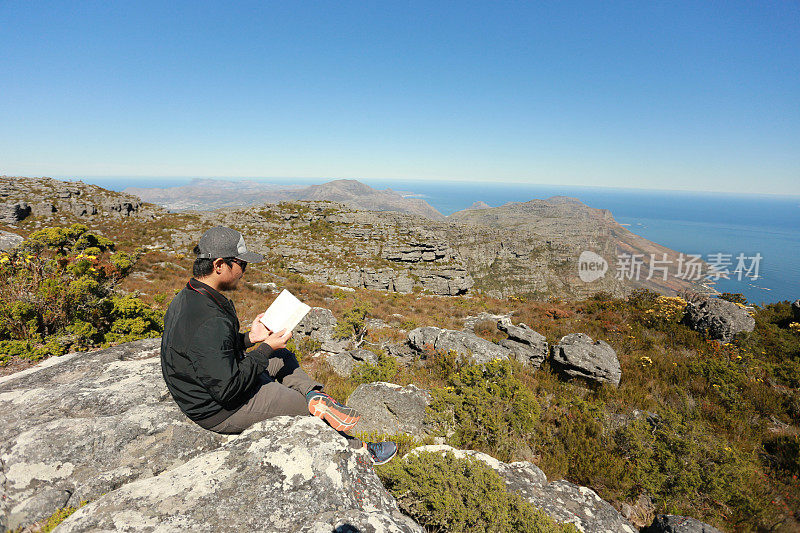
[(242, 264)]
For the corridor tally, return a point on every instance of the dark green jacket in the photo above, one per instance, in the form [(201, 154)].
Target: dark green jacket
[(203, 356)]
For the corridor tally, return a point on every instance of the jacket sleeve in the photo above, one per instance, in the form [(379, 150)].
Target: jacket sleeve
[(213, 354)]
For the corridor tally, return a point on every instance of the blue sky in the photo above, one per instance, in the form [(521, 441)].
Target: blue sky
[(663, 95)]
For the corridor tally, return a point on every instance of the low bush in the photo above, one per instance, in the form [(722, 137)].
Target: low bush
[(444, 493)]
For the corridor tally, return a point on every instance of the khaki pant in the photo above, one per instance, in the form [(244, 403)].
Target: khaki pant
[(281, 391)]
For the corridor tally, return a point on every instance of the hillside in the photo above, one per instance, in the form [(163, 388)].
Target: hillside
[(210, 194)]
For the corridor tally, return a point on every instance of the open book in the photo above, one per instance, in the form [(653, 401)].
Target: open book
[(284, 313)]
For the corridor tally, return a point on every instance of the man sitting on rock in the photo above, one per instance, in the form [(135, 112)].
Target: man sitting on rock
[(203, 360)]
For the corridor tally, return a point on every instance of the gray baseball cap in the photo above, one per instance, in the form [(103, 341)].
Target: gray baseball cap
[(225, 242)]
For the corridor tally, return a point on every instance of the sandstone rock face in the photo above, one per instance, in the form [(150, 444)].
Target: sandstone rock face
[(796, 310), (390, 409), (80, 425), (283, 474), (319, 324), (467, 345), (343, 363), (679, 524), (528, 346), (9, 240), (718, 319), (577, 355), (561, 500), (13, 212)]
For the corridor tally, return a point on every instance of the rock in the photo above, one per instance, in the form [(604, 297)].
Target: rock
[(796, 310), (9, 240), (472, 321), (282, 474), (718, 319), (641, 512), (317, 324), (343, 363), (266, 287), (389, 409), (577, 355), (561, 500), (77, 426), (13, 212), (528, 346), (463, 343), (666, 523)]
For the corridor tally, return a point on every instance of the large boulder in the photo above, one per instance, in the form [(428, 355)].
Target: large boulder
[(80, 425), (578, 356), (283, 474), (467, 345), (667, 523), (389, 409), (561, 500), (718, 319), (9, 240), (796, 310), (528, 346)]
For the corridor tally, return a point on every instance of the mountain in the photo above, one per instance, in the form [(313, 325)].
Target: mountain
[(210, 194)]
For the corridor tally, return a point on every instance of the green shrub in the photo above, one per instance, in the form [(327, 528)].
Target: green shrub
[(486, 407), (353, 323), (444, 493), (385, 370)]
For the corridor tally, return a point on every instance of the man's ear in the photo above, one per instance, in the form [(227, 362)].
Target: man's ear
[(218, 262)]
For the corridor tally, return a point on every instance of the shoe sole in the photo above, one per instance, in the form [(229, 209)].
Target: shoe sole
[(379, 463), (339, 418)]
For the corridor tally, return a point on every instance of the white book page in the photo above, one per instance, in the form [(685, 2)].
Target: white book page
[(284, 313)]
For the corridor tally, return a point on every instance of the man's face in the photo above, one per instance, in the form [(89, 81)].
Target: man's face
[(231, 274)]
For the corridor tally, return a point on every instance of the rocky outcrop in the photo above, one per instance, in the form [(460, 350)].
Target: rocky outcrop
[(528, 346), (54, 200), (718, 319), (667, 523), (283, 474), (561, 500), (319, 324), (796, 310), (9, 240), (343, 363), (101, 426), (578, 356), (80, 425), (465, 344), (389, 409)]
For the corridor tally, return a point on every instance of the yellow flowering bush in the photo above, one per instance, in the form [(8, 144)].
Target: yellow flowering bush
[(665, 310)]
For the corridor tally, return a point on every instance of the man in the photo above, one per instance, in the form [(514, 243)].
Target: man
[(203, 360)]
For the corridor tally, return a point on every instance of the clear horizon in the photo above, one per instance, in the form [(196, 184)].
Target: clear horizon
[(684, 97)]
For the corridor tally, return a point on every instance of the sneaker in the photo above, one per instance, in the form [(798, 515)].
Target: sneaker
[(381, 452), (340, 417)]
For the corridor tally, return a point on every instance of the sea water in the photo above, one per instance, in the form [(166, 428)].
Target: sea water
[(696, 223)]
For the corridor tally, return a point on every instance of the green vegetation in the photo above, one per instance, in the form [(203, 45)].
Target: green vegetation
[(444, 493), (57, 293)]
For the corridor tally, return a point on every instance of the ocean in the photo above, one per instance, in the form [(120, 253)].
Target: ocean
[(698, 223)]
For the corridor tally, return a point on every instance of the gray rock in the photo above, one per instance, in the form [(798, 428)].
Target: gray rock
[(796, 310), (13, 212), (80, 425), (561, 500), (389, 409), (529, 347), (718, 319), (467, 345), (266, 287), (317, 324), (9, 240), (282, 474), (577, 355), (472, 321), (343, 363), (666, 523)]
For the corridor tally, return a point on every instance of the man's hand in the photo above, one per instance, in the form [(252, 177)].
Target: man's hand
[(277, 340), (258, 331)]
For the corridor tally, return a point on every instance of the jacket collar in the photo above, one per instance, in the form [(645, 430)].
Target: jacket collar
[(213, 294)]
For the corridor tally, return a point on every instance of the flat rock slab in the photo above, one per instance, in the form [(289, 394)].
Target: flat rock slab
[(667, 523), (561, 500), (578, 356), (80, 425), (389, 409), (283, 474)]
